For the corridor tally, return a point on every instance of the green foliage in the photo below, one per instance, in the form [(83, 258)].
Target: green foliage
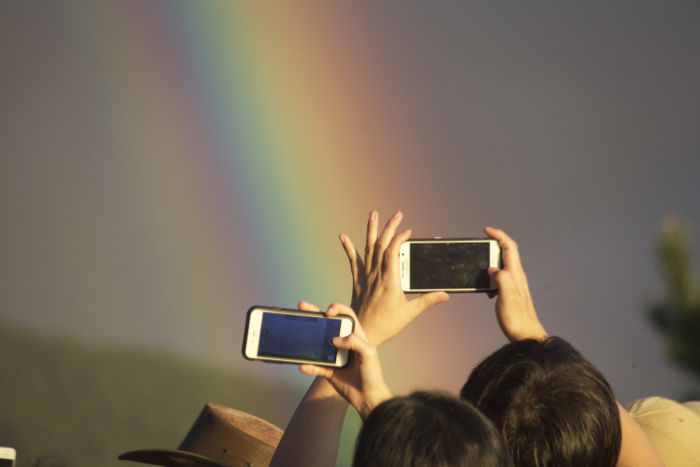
[(64, 403), (677, 316)]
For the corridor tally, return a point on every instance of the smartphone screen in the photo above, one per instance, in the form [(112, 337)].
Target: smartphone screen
[(449, 265), (282, 335), (298, 337)]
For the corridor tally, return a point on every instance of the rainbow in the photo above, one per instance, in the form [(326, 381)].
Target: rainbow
[(251, 134), (248, 135)]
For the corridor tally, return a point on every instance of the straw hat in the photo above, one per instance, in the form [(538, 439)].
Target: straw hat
[(220, 437)]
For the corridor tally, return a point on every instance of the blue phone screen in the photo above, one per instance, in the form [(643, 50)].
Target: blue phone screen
[(301, 337)]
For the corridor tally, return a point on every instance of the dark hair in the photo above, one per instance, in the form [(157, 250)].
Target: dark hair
[(431, 429), (553, 407)]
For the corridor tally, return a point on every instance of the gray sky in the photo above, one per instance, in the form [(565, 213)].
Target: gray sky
[(572, 126)]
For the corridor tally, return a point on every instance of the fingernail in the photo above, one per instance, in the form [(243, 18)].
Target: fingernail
[(398, 214), (342, 237), (373, 215)]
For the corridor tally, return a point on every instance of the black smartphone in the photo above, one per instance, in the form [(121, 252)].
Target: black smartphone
[(450, 265)]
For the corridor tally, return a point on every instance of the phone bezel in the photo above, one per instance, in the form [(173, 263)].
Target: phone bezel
[(251, 338), (405, 262), (8, 454)]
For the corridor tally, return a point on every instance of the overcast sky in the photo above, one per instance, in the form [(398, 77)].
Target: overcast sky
[(572, 126)]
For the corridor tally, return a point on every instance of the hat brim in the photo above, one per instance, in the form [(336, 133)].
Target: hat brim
[(168, 457)]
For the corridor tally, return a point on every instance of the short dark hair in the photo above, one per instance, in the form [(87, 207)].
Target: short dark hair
[(552, 406), (431, 429)]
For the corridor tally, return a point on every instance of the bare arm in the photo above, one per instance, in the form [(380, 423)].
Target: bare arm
[(319, 416), (384, 311)]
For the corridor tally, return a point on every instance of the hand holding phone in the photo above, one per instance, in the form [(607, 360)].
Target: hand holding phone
[(381, 305), (515, 309), (361, 382), (291, 336)]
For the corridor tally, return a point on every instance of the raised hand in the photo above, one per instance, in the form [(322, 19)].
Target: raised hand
[(381, 305), (515, 310)]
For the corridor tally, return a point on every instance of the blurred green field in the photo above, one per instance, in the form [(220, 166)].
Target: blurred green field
[(65, 403)]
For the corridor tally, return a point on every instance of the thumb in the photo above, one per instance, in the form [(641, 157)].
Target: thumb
[(362, 349), (427, 300), (313, 370), (353, 342)]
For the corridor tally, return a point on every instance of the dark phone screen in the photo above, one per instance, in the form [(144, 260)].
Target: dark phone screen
[(450, 265), (302, 337)]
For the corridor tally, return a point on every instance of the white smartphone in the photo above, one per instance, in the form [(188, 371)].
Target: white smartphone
[(7, 457), (292, 336), (451, 264)]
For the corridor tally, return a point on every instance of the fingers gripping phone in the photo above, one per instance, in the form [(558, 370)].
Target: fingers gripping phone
[(450, 265), (292, 336)]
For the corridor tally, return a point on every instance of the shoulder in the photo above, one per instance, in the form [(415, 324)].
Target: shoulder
[(672, 427)]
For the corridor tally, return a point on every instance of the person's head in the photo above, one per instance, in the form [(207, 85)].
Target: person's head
[(430, 429), (552, 406)]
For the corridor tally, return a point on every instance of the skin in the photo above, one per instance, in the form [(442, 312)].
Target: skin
[(515, 310), (319, 417), (383, 311), (516, 315), (382, 307)]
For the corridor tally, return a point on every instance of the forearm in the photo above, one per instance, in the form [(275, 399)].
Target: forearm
[(378, 396), (636, 449), (313, 434)]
